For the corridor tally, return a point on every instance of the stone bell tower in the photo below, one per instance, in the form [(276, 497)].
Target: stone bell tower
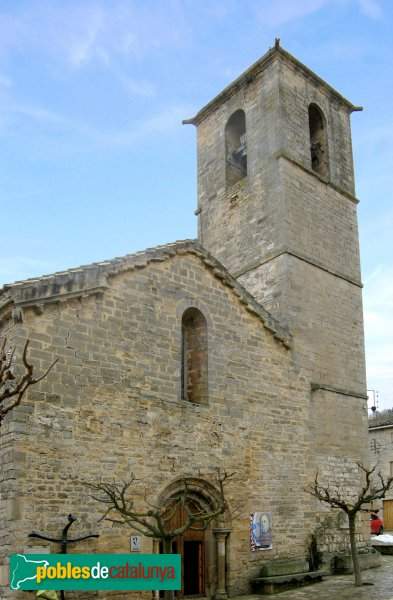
[(277, 206)]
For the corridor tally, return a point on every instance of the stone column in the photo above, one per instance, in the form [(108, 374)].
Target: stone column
[(221, 535)]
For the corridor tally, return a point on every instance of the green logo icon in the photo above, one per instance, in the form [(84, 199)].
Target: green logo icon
[(95, 572)]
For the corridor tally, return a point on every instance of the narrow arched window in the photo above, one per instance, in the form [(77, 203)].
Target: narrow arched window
[(236, 147), (194, 356), (318, 141)]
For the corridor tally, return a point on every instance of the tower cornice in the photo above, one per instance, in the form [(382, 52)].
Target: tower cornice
[(275, 53)]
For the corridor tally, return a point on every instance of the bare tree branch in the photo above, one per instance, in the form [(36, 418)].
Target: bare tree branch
[(373, 487), (12, 387), (157, 521)]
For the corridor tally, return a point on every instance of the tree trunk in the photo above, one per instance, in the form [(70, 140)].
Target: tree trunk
[(354, 551), (167, 548)]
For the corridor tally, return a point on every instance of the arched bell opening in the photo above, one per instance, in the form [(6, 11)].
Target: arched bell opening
[(318, 141), (236, 148)]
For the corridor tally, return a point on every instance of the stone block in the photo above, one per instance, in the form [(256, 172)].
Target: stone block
[(369, 560), (286, 566), (14, 509)]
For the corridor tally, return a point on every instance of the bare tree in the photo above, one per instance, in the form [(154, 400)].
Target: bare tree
[(158, 521), (13, 387), (374, 487)]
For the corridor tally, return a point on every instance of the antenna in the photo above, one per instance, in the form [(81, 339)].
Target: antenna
[(373, 400)]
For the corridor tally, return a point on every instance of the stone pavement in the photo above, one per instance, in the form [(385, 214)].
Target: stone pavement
[(341, 587)]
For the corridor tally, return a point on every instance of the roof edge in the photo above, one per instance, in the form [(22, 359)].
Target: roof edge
[(250, 73), (93, 280)]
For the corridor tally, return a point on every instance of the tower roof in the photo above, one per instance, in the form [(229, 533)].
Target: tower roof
[(247, 76)]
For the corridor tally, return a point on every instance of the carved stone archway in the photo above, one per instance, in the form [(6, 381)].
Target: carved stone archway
[(209, 548)]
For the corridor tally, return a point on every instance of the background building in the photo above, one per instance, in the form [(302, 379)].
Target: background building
[(380, 437)]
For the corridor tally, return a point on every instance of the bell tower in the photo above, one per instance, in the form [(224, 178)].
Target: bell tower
[(277, 206)]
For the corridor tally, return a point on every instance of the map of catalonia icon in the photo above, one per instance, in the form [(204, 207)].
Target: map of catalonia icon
[(23, 569)]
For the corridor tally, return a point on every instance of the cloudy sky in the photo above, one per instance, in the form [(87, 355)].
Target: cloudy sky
[(94, 161)]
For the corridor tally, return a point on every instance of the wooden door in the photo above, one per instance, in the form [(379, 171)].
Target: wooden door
[(191, 546), (388, 515)]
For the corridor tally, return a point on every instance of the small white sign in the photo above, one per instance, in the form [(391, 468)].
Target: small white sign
[(37, 550), (135, 543)]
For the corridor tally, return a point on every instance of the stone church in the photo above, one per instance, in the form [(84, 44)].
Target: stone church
[(241, 350)]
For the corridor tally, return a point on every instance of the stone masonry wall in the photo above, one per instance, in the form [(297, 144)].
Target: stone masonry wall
[(238, 224), (291, 239), (380, 453), (320, 223), (281, 203), (9, 511), (112, 406), (324, 314), (297, 92)]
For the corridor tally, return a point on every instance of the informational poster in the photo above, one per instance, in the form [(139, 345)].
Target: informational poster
[(261, 531)]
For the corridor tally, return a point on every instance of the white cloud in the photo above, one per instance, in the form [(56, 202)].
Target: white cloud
[(5, 82), (84, 46), (132, 86), (280, 12), (21, 267), (162, 122), (41, 115), (77, 134), (87, 32), (138, 88), (370, 8)]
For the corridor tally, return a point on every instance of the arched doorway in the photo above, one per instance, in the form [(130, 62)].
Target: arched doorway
[(192, 546), (203, 571)]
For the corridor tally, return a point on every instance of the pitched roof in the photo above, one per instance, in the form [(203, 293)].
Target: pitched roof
[(93, 279), (381, 419)]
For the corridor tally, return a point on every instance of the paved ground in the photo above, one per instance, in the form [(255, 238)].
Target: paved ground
[(341, 587)]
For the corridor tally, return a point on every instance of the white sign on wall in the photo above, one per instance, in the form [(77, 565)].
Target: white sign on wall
[(135, 542)]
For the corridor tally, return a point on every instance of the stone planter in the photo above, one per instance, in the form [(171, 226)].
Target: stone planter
[(367, 560), (384, 548)]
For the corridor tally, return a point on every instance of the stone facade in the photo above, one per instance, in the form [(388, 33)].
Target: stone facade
[(285, 366), (290, 235), (380, 447)]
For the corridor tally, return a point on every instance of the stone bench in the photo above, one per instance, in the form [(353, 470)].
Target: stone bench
[(280, 575)]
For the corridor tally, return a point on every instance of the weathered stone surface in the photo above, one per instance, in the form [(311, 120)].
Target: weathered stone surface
[(370, 560), (380, 446), (290, 236), (286, 381), (284, 567)]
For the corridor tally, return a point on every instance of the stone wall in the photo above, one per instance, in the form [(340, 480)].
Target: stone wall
[(290, 237), (246, 224), (236, 224), (277, 411), (380, 453), (112, 406)]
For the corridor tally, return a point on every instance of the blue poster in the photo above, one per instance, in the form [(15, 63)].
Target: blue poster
[(261, 531)]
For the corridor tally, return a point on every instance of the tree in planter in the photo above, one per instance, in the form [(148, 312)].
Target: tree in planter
[(374, 487), (157, 521), (14, 386)]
